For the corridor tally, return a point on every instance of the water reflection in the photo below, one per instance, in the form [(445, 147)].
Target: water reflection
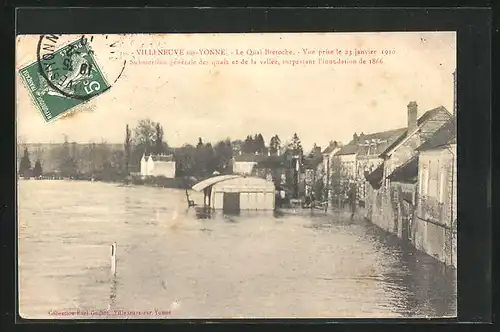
[(284, 263), (278, 214), (203, 212), (231, 215), (112, 294), (428, 285)]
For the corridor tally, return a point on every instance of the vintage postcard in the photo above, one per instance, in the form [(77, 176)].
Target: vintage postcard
[(258, 175)]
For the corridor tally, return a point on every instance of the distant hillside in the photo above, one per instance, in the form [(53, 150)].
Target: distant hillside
[(46, 153), (43, 151), (48, 146)]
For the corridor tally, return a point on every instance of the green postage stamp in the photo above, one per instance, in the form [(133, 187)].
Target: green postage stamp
[(59, 80)]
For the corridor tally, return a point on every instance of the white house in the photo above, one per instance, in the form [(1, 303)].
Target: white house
[(158, 165), (244, 163), (328, 155)]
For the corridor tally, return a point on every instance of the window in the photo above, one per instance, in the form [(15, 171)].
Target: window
[(424, 181)]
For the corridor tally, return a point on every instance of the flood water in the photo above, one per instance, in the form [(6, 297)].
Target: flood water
[(175, 262)]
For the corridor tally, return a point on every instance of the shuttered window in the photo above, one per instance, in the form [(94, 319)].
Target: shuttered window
[(433, 184), (442, 185), (424, 180)]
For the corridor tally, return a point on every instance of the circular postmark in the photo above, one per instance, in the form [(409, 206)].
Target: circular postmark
[(78, 67)]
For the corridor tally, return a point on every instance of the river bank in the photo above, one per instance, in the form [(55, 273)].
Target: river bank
[(162, 182)]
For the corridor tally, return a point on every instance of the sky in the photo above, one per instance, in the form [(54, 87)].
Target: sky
[(319, 102)]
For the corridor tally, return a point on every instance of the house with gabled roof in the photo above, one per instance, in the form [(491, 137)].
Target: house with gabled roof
[(346, 156), (362, 154), (418, 132), (324, 167), (393, 198), (434, 228), (158, 165)]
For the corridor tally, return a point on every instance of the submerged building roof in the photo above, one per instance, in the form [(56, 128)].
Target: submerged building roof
[(424, 118), (247, 184), (213, 180)]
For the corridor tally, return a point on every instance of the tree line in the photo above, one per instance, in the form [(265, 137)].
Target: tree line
[(102, 161), (25, 168)]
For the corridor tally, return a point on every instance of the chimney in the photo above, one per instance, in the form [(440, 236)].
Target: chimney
[(355, 137), (455, 93), (412, 115)]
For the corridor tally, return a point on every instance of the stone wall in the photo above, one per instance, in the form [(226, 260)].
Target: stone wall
[(436, 214), (380, 210), (384, 208), (435, 240)]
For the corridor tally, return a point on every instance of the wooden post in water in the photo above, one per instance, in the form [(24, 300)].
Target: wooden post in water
[(113, 258)]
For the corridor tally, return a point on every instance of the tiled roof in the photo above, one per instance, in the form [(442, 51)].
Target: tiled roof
[(329, 149), (426, 116), (379, 142), (213, 180), (429, 114), (375, 144), (446, 134), (350, 148)]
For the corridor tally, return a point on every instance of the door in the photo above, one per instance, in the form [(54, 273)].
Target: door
[(231, 202)]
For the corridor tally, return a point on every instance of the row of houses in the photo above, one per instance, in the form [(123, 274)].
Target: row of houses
[(406, 184), (405, 179)]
